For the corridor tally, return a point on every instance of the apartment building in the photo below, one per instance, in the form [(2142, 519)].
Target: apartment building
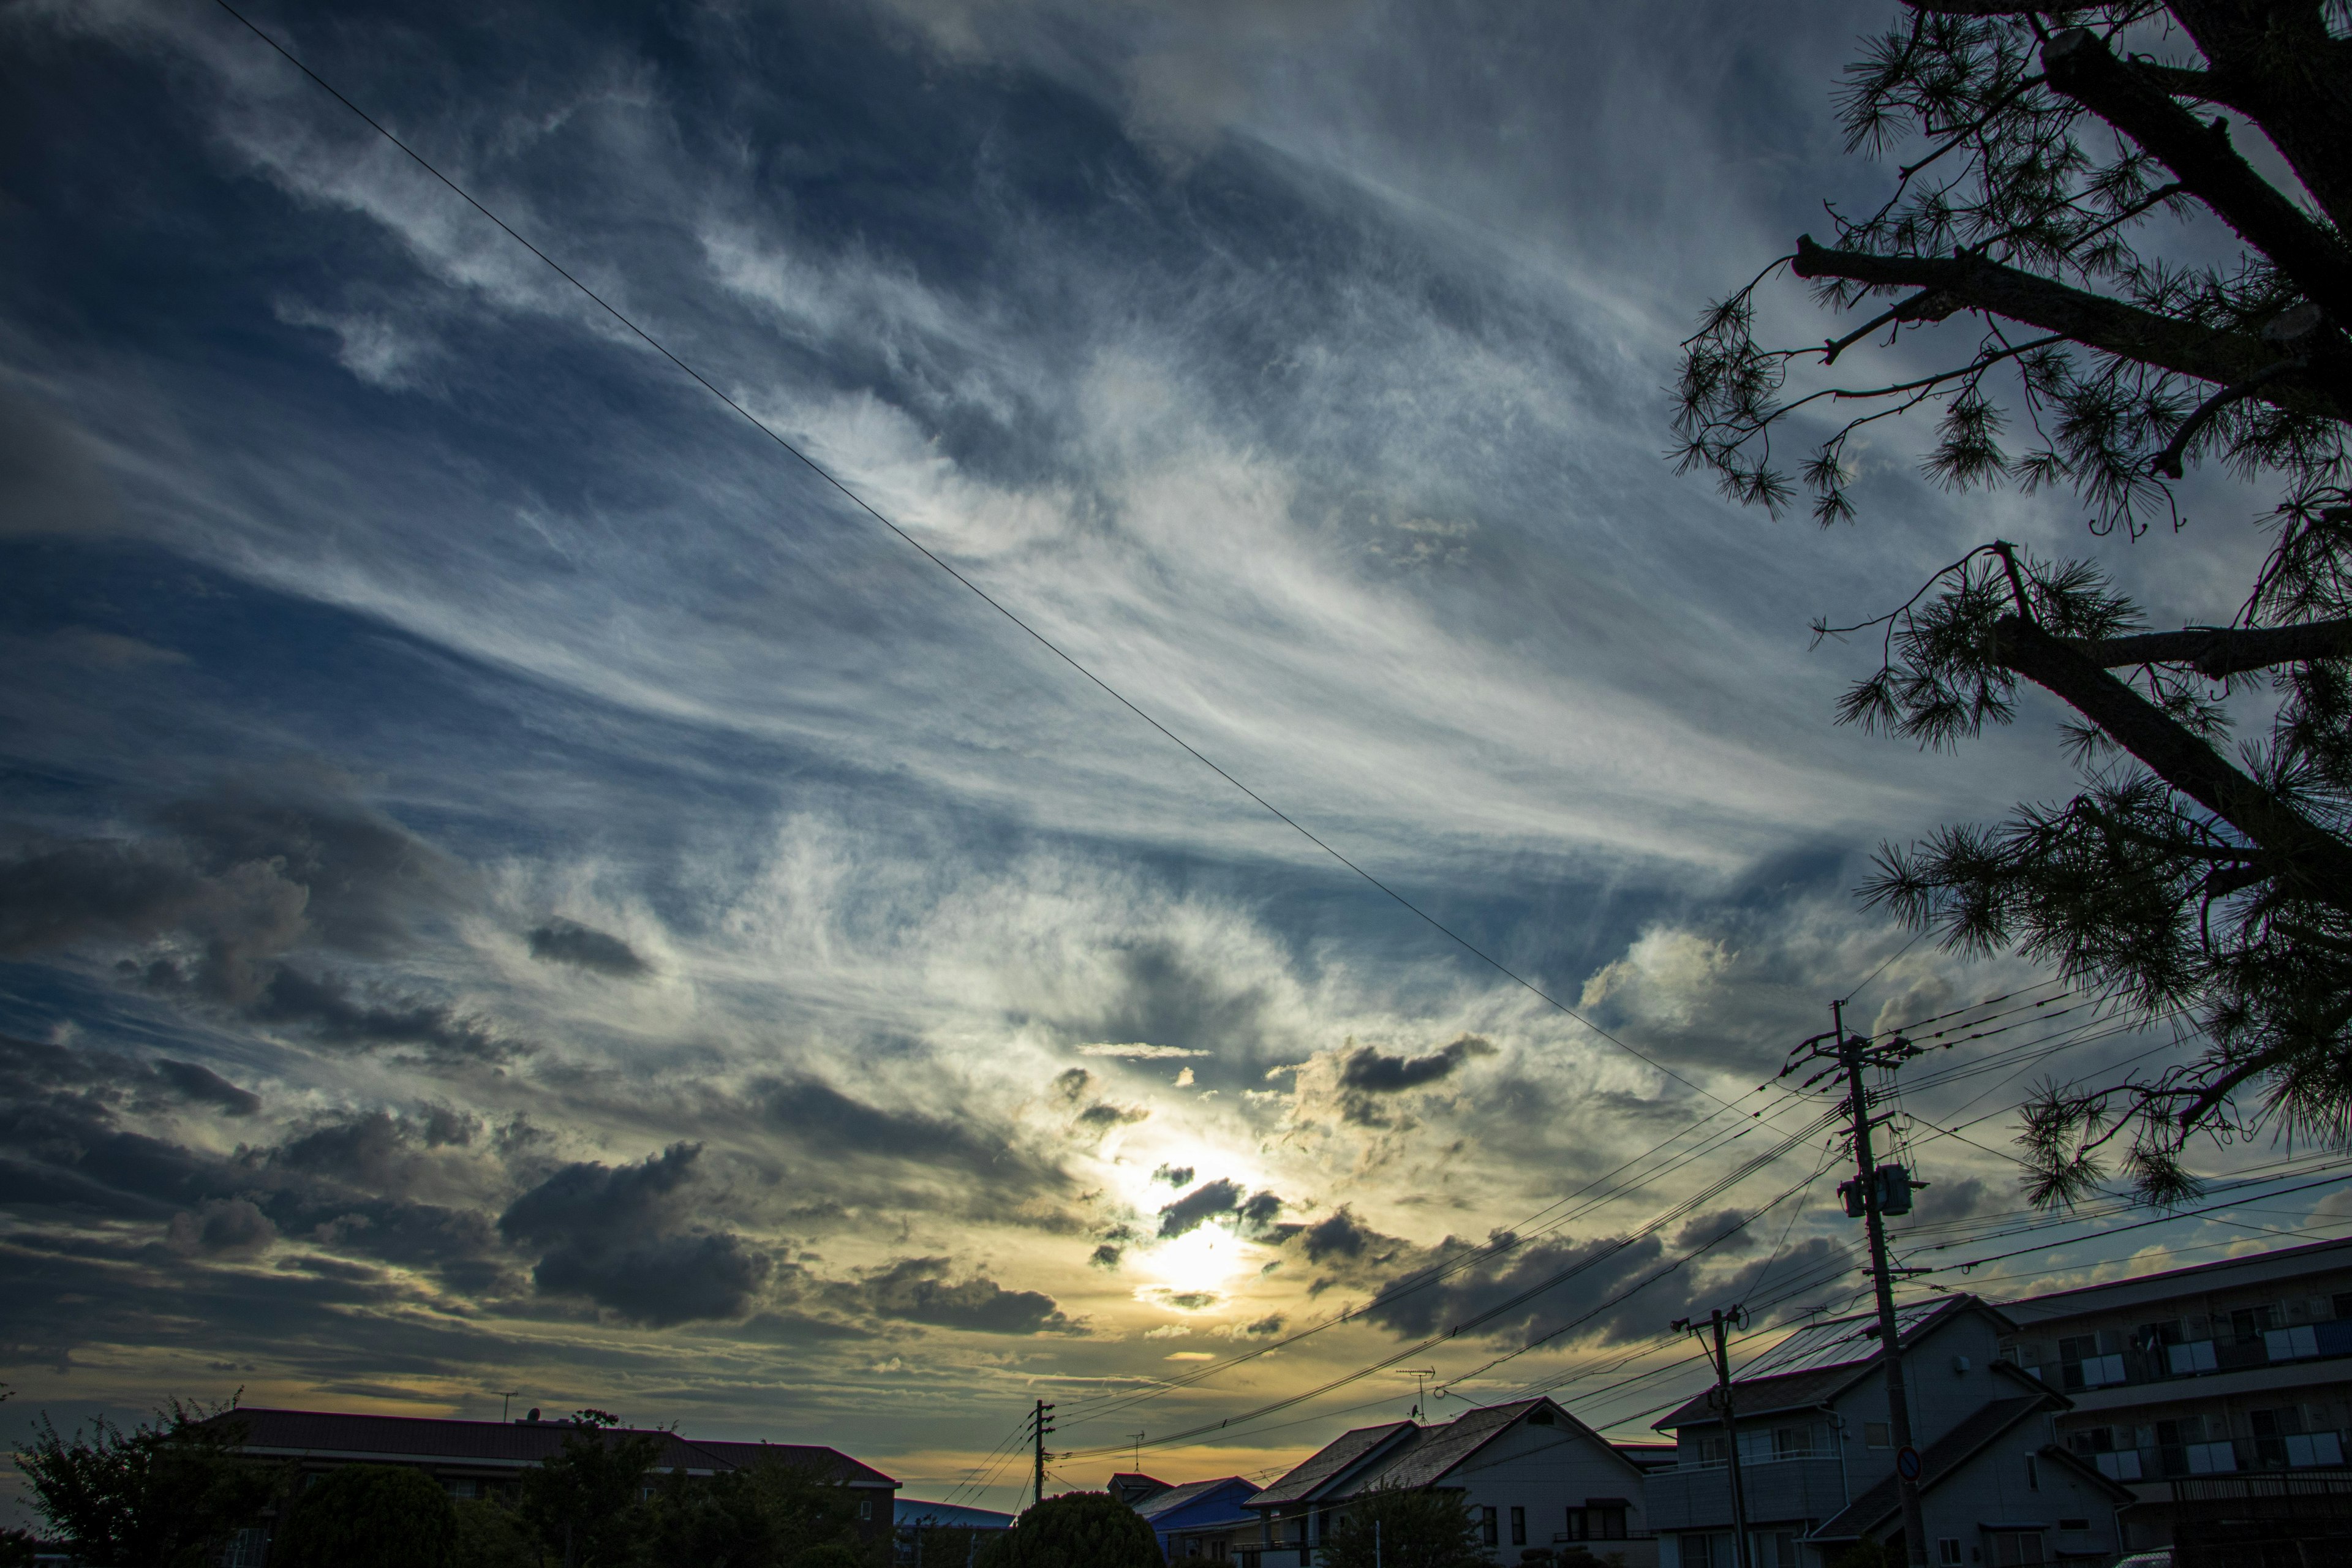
[(2220, 1394)]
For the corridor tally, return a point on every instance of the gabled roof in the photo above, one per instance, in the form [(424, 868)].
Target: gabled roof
[(509, 1444), (1176, 1498), (1348, 1449), (1411, 1456), (1939, 1461), (1829, 1358)]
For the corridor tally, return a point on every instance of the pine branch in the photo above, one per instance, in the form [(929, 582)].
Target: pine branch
[(2079, 64), (2217, 651), (2311, 859), (2225, 358)]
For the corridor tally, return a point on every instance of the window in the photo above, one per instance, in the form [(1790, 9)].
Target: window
[(1713, 1451), (2015, 1548), (1699, 1551), (1948, 1550), (2032, 1473), (2092, 1440), (1487, 1531), (2152, 1337), (1601, 1518), (1519, 1527), (866, 1508), (2248, 1324), (246, 1549), (2343, 1305), (1877, 1434)]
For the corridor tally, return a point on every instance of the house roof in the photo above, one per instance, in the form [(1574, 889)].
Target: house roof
[(1182, 1497), (1329, 1461), (1829, 1358), (508, 1444), (1939, 1460), (912, 1512), (2283, 1262), (1406, 1455)]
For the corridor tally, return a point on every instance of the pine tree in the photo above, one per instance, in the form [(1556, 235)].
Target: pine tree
[(2051, 161)]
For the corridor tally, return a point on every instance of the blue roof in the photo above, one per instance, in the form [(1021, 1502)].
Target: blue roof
[(908, 1512)]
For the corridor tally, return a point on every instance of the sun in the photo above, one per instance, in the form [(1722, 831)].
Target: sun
[(1210, 1258)]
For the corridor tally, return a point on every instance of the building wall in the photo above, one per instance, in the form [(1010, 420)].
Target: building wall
[(1546, 1471), (2242, 1370)]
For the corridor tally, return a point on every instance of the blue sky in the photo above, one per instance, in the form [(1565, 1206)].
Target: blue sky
[(519, 885)]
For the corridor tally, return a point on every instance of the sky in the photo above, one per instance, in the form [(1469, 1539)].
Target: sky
[(512, 883)]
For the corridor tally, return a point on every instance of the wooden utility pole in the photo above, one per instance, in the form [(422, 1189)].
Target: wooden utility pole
[(1040, 1423), (1874, 1192)]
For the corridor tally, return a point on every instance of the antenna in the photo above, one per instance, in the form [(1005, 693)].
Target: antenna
[(506, 1403), (1421, 1377)]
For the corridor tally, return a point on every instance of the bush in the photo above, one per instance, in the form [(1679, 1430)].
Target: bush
[(1077, 1530), (1397, 1528), (370, 1516), (490, 1535)]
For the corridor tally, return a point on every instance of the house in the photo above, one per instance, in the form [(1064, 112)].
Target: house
[(1817, 1453), (1534, 1478), (485, 1458), (1131, 1487), (2220, 1394), (918, 1524), (1200, 1518)]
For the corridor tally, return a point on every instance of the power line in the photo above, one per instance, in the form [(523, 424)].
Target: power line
[(822, 472)]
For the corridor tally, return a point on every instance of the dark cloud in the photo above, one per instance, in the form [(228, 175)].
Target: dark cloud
[(1366, 1072), (1105, 1114), (560, 940), (1108, 1254), (331, 1012), (918, 1290), (232, 1226), (1337, 1235), (819, 1117), (616, 1236), (1263, 1328), (1253, 1214), (194, 1081), (1725, 1228), (1174, 1175)]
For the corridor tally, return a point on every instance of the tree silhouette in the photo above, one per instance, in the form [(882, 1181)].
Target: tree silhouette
[(2033, 283)]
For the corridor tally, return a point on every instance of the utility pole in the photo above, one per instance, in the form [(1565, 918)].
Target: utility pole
[(1875, 1192), (1040, 1423), (1718, 1355)]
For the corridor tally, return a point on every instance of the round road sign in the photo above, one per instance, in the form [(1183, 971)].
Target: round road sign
[(1907, 1463)]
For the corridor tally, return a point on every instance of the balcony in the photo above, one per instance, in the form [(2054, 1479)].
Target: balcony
[(2199, 1358), (1806, 1485), (2173, 1460)]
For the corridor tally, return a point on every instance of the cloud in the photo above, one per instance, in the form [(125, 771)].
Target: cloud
[(1142, 1053), (1253, 1213), (560, 940), (1665, 977), (223, 1228), (1365, 1074), (918, 1290), (1725, 1228), (616, 1235), (50, 481), (194, 1081), (1174, 1175)]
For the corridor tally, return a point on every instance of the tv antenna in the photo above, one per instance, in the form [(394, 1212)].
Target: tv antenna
[(1421, 1377)]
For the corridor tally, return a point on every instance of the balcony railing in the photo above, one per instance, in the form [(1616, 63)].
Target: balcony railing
[(2171, 1461), (2198, 1358)]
